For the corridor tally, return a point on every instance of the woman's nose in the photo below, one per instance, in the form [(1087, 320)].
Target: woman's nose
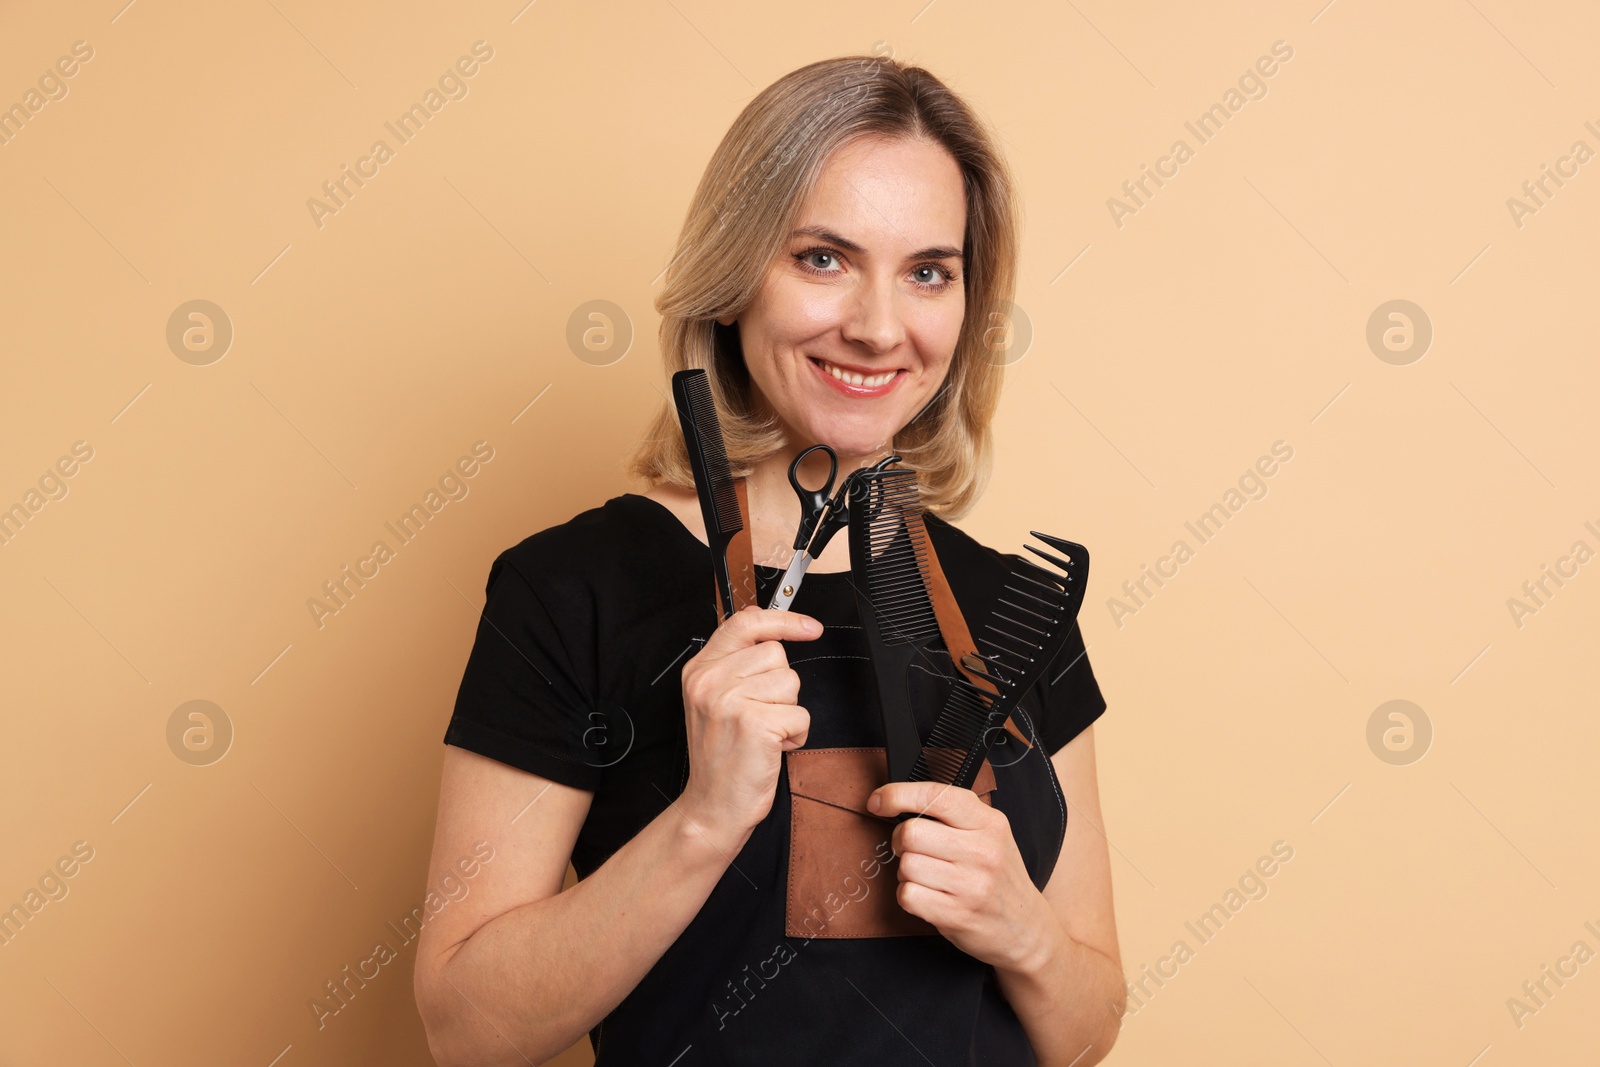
[(872, 315)]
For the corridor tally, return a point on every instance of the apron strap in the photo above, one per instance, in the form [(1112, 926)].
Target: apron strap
[(741, 560), (953, 628)]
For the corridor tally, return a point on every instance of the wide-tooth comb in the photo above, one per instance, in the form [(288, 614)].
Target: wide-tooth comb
[(888, 559), (713, 482), (1029, 624)]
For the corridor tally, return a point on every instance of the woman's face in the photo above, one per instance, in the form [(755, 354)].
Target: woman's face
[(870, 286)]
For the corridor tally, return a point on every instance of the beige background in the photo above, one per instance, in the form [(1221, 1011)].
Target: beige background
[(1229, 312)]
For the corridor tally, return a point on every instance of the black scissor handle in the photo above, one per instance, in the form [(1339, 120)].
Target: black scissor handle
[(838, 515), (812, 501), (853, 493)]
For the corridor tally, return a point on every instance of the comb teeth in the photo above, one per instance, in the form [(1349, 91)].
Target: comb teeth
[(889, 562), (708, 434), (949, 750), (1034, 609), (895, 540), (1027, 628)]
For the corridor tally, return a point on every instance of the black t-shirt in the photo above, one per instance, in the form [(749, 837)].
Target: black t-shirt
[(575, 676)]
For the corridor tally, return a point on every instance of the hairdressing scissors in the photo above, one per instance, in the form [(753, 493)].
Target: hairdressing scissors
[(823, 513)]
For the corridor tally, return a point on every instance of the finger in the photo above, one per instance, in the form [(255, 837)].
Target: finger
[(932, 872), (790, 722), (781, 686), (762, 726), (750, 625), (930, 837), (931, 905), (745, 662), (763, 658), (957, 807)]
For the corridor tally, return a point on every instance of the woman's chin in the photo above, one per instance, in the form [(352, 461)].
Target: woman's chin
[(858, 446), (850, 434)]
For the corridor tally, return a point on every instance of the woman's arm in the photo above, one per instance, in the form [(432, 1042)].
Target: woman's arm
[(518, 970), (1069, 992)]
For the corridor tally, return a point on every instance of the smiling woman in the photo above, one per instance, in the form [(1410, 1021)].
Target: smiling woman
[(844, 255), (866, 219), (875, 316)]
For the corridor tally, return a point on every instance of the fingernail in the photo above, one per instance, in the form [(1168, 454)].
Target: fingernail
[(874, 802), (813, 626)]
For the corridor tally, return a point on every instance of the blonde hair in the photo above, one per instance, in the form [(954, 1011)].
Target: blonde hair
[(741, 216)]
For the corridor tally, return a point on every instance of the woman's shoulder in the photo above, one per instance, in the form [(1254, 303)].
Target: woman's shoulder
[(595, 546), (977, 572), (959, 549)]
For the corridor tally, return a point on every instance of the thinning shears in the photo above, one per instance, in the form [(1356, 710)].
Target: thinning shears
[(823, 513)]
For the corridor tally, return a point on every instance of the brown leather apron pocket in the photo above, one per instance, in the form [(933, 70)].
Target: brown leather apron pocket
[(842, 874)]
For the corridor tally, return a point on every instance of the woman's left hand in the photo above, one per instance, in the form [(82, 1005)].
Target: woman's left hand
[(960, 870)]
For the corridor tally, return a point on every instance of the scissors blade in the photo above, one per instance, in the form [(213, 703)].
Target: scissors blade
[(789, 584)]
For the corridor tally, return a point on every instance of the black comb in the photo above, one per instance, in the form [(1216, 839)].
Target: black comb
[(719, 503), (888, 562), (1036, 611)]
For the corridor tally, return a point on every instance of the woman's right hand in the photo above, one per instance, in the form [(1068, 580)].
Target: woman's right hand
[(739, 696)]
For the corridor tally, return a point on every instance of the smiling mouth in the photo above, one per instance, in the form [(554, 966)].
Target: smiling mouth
[(849, 377)]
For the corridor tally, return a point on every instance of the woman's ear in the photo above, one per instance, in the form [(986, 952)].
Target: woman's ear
[(726, 320)]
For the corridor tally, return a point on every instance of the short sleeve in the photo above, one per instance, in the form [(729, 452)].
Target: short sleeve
[(1068, 694), (523, 698)]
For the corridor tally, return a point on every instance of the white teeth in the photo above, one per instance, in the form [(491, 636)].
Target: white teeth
[(858, 379)]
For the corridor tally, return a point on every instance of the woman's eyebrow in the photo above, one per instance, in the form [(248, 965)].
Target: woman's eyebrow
[(822, 232)]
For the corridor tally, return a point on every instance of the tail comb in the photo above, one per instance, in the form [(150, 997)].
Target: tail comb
[(713, 481), (888, 559)]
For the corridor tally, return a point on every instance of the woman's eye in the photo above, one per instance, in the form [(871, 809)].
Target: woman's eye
[(808, 260), (930, 277)]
